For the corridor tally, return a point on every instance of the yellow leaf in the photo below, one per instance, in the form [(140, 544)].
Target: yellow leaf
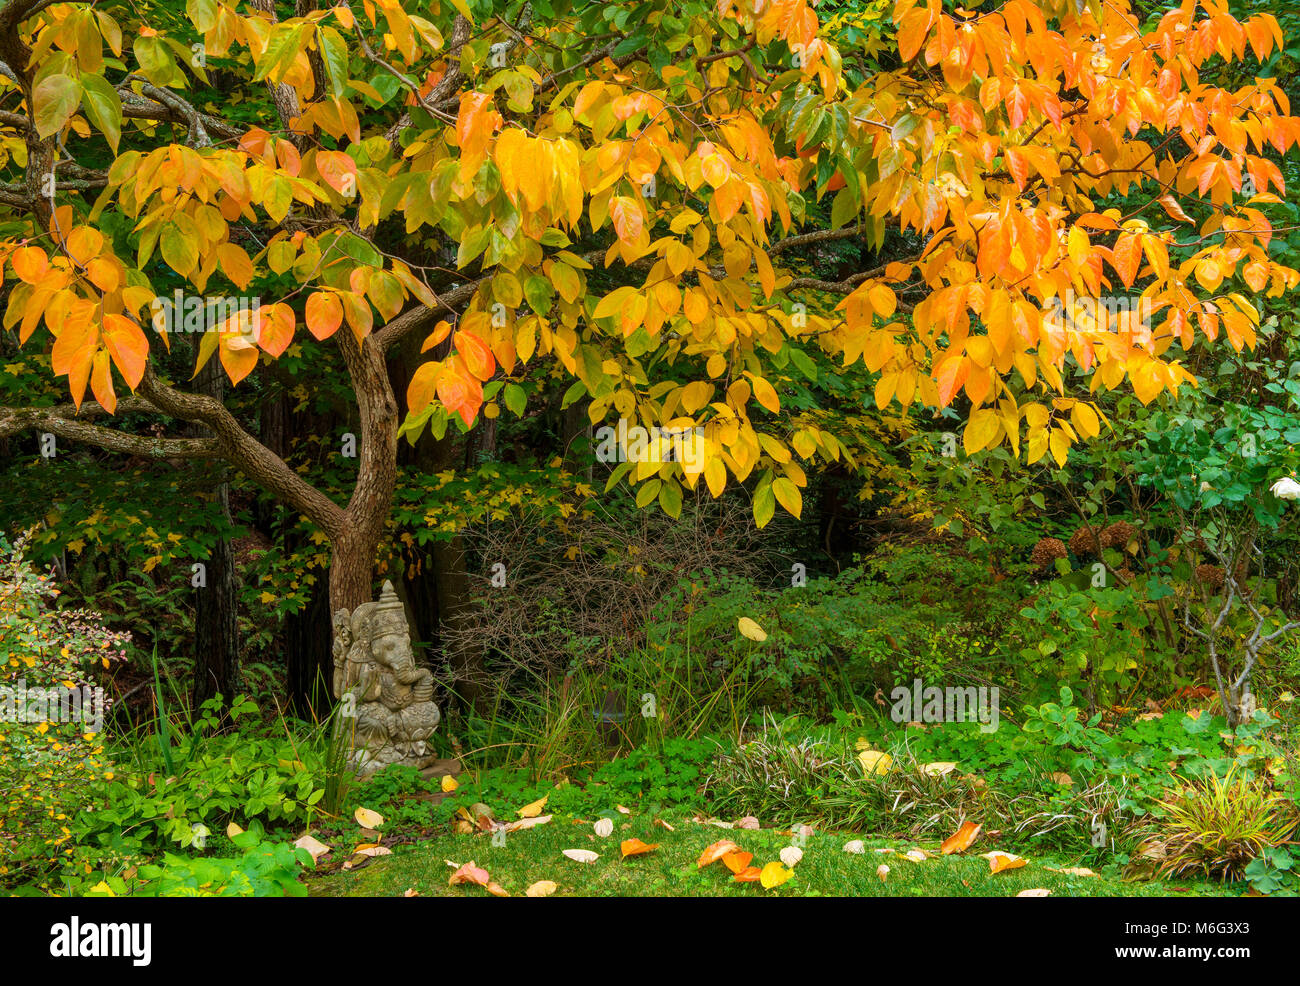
[(449, 783), (1085, 420), (788, 495), (774, 874), (748, 628), (368, 819), (1059, 444), (542, 888), (765, 395), (981, 430), (534, 809), (875, 762)]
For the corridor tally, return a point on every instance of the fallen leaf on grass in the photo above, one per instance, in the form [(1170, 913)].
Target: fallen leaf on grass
[(496, 890), (750, 874), (882, 871), (527, 823), (635, 847), (856, 847), (738, 861), (999, 861), (791, 855), (962, 839), (1076, 871), (773, 875), (916, 855), (542, 888), (604, 827), (471, 872), (534, 809), (748, 822), (875, 762), (1036, 892), (662, 824), (411, 892), (940, 768), (715, 852), (368, 819), (581, 855), (371, 849), (449, 783), (313, 846)]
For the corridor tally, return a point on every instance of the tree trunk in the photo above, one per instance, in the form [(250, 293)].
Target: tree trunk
[(308, 645), (454, 600), (216, 604), (216, 625)]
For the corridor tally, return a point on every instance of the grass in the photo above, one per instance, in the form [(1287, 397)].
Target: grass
[(534, 854)]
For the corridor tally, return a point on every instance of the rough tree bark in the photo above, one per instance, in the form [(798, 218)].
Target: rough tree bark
[(216, 602)]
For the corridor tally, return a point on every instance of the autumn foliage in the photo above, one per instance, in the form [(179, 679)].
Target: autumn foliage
[(622, 215)]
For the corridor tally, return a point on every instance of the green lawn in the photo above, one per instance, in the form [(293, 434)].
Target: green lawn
[(535, 854)]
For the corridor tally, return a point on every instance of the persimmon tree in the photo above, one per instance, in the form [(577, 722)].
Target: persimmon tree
[(611, 192)]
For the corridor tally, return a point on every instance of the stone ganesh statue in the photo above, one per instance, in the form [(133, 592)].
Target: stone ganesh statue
[(384, 694)]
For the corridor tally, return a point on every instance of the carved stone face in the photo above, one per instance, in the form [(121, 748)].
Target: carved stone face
[(391, 647)]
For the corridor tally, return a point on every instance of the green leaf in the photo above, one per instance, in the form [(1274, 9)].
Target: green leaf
[(334, 53), (516, 399), (764, 504), (178, 249), (647, 493), (56, 99), (670, 499), (103, 107)]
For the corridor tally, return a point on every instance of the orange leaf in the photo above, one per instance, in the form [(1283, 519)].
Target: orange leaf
[(476, 353), (470, 873), (750, 874), (324, 314), (627, 218), (737, 861), (101, 382), (715, 852), (30, 263), (635, 847), (339, 171), (960, 840), (276, 330), (128, 347), (1000, 861)]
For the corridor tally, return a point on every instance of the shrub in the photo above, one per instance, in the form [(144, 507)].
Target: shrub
[(49, 761)]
